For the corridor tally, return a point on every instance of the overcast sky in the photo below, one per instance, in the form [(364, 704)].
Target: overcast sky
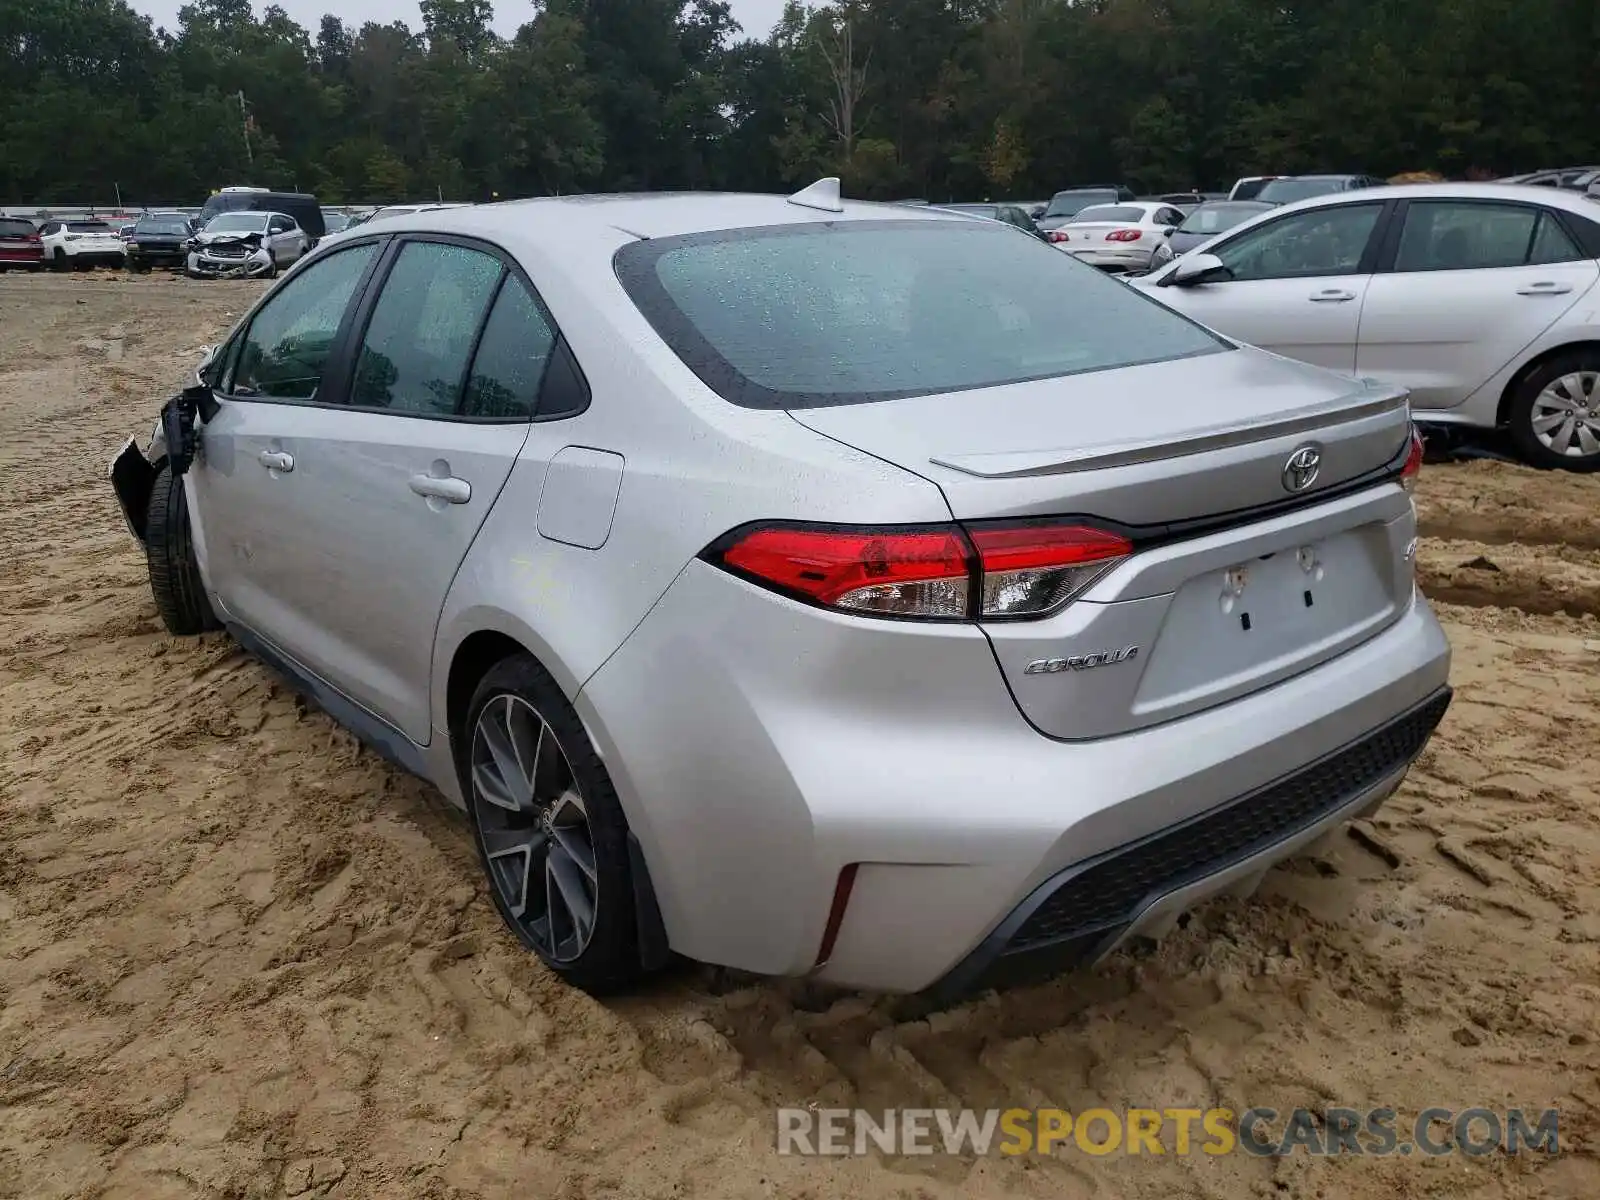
[(757, 16)]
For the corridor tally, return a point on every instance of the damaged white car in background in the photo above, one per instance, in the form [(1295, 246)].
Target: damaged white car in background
[(246, 245)]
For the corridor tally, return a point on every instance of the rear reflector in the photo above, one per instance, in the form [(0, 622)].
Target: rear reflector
[(836, 911), (1413, 467), (989, 571)]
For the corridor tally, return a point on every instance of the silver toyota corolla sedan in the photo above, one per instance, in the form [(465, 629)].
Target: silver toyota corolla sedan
[(810, 587)]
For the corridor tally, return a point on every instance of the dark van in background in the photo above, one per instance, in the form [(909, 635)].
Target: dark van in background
[(303, 208)]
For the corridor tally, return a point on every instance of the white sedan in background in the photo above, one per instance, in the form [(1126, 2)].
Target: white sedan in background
[(1479, 298), (1117, 237)]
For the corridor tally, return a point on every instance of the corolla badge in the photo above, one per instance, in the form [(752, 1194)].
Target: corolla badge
[(1302, 469), (1081, 662)]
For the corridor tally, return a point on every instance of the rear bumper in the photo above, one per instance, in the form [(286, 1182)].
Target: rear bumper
[(1080, 915), (96, 258), (760, 747), (1136, 258), (21, 258)]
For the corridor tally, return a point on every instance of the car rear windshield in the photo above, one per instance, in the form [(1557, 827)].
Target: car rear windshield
[(1111, 212), (804, 316), (1248, 189), (1214, 218), (88, 227), (162, 226), (1287, 191), (1065, 204), (12, 227)]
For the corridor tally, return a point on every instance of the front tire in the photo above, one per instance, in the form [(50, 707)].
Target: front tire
[(551, 835), (1555, 413), (169, 553), (59, 259)]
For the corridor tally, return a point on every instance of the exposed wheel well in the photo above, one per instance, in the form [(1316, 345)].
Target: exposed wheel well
[(471, 663), (1532, 365)]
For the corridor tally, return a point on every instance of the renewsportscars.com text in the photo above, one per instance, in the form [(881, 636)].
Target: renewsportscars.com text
[(1265, 1132)]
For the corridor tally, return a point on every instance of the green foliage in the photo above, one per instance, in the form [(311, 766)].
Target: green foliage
[(947, 99)]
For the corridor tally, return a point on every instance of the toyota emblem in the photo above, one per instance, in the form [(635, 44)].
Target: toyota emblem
[(1302, 469)]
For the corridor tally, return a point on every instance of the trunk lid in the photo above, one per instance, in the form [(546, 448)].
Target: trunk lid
[(1264, 587)]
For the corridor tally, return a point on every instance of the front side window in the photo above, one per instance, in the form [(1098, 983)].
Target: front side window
[(1446, 235), (1323, 241), (286, 350), (418, 342), (822, 314)]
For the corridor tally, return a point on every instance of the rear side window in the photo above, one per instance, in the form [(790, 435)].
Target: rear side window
[(809, 315), (1453, 236), (512, 356), (419, 339)]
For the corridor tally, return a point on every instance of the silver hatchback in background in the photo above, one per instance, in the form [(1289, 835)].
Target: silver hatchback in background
[(811, 587)]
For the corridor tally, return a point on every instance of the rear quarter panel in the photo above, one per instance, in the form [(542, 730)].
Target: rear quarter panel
[(695, 466)]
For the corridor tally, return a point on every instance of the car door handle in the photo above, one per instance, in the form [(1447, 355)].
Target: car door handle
[(1547, 288), (276, 460), (448, 488), (1331, 296)]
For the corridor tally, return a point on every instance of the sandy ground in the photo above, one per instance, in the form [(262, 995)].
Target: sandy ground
[(241, 957)]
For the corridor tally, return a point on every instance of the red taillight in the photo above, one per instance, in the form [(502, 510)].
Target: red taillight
[(944, 572), (1055, 235), (1124, 235), (1413, 467), (1032, 570), (921, 573)]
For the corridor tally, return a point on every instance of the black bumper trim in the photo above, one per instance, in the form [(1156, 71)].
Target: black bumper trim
[(1077, 914)]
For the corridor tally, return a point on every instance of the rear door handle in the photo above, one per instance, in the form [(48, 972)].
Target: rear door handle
[(1331, 296), (276, 460), (448, 488), (1548, 288)]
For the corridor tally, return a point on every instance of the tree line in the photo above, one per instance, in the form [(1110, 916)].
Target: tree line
[(943, 99)]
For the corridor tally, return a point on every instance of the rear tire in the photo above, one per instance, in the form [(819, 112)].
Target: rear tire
[(551, 836), (169, 553), (1556, 409)]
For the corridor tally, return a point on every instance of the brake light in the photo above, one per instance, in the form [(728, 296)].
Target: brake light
[(920, 573), (1055, 235), (1413, 467), (991, 571), (1033, 570), (1124, 235)]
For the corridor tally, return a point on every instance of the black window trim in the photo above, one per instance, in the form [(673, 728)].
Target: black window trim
[(508, 266), (337, 376), (1370, 256), (1586, 240)]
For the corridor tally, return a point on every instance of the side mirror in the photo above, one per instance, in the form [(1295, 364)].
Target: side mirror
[(1169, 231), (1197, 269)]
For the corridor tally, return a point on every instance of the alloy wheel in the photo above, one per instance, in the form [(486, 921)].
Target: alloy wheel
[(535, 828), (1566, 414)]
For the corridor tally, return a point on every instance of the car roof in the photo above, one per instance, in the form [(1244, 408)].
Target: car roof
[(558, 219), (1574, 202)]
